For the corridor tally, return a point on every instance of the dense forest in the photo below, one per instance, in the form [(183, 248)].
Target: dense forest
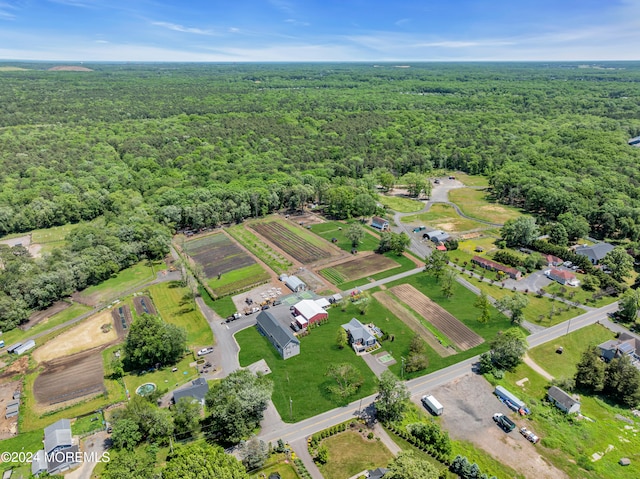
[(152, 148)]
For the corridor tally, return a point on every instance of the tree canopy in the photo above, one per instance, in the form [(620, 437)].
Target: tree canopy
[(200, 460), (151, 341)]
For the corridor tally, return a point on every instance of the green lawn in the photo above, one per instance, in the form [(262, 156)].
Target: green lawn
[(54, 234), (401, 205), (336, 229), (471, 180), (23, 442), (573, 344), (71, 312), (567, 442), (87, 424), (537, 311), (164, 378), (276, 463), (579, 294), (476, 204), (223, 306), (168, 299), (444, 217), (350, 453), (125, 280), (234, 281), (268, 255)]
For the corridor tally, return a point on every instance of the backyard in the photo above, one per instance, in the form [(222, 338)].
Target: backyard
[(350, 453)]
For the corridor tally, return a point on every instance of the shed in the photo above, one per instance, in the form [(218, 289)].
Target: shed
[(624, 461), (563, 401), (26, 346), (380, 223), (505, 395), (7, 474), (336, 298), (283, 277), (13, 347), (295, 284), (323, 303)]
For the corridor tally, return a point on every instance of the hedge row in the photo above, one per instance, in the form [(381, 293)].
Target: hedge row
[(423, 446)]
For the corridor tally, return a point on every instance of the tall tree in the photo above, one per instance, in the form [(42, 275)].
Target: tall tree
[(436, 263), (558, 234), (483, 304), (508, 348), (151, 341), (347, 378), (236, 405), (515, 304), (590, 372), (520, 231), (447, 281), (407, 466), (619, 262), (186, 417), (629, 305), (200, 460), (392, 397), (254, 453), (355, 233), (622, 381)]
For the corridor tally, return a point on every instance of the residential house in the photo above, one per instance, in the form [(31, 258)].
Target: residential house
[(310, 311), (278, 334), (595, 252), (563, 401), (59, 452), (197, 390), (625, 344), (360, 336), (377, 473), (295, 284), (562, 276), (552, 260), (380, 223), (485, 263)]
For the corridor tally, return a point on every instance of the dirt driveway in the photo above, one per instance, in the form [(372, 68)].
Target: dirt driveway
[(469, 405)]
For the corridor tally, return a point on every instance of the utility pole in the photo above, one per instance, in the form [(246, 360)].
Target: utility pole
[(291, 408), (360, 409), (402, 369), (568, 326)]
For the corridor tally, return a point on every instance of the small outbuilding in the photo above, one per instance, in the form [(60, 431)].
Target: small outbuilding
[(563, 277), (380, 223), (295, 284), (24, 347), (563, 401)]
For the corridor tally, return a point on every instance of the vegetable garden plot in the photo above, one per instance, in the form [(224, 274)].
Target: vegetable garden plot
[(217, 254), (291, 243), (463, 337)]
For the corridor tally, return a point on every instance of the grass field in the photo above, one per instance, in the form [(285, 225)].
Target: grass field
[(276, 464), (573, 344), (268, 255), (164, 378), (475, 204), (579, 294), (223, 306), (337, 230), (238, 280), (401, 205), (125, 280), (350, 453), (55, 234), (471, 180), (23, 442), (168, 299), (71, 312), (87, 424), (538, 309), (569, 444), (444, 217)]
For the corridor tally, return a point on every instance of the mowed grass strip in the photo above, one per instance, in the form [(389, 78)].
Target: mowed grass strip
[(477, 204), (238, 280), (125, 280), (350, 453), (260, 249), (444, 217), (400, 204), (169, 300)]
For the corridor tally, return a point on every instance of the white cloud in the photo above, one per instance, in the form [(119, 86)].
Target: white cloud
[(180, 28), (402, 21), (102, 41), (283, 5), (297, 23)]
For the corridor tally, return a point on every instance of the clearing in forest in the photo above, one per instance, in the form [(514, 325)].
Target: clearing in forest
[(463, 337), (475, 204)]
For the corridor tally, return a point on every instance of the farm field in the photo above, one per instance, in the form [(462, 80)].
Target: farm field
[(297, 243), (358, 268), (405, 264), (172, 308), (125, 280), (86, 335), (444, 217), (238, 280), (68, 378), (400, 204), (274, 260), (350, 453), (217, 254), (463, 337), (476, 204), (144, 305), (337, 230)]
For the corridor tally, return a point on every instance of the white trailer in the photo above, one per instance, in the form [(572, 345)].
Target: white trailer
[(432, 405)]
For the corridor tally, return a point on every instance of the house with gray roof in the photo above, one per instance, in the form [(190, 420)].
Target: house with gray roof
[(625, 344), (563, 401), (278, 334), (377, 473), (197, 391), (360, 336), (595, 252), (59, 452)]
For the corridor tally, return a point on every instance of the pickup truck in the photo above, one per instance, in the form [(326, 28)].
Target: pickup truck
[(531, 437), (504, 422)]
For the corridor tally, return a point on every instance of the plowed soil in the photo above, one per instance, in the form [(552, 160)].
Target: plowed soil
[(463, 337), (144, 305)]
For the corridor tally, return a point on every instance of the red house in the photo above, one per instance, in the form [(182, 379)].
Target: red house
[(310, 311)]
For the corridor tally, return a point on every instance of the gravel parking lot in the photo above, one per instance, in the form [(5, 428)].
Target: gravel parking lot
[(469, 406)]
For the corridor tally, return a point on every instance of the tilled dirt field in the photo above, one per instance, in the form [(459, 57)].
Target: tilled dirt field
[(70, 378), (469, 406), (143, 304)]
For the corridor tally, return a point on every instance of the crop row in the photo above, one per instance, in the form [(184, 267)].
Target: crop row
[(292, 244), (271, 258)]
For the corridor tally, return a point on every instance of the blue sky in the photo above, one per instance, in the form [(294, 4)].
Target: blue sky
[(311, 30)]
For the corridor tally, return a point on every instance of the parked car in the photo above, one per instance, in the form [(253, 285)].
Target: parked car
[(204, 351)]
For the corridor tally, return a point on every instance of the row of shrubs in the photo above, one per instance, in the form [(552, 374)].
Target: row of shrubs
[(465, 470), (301, 469), (314, 441), (423, 446)]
